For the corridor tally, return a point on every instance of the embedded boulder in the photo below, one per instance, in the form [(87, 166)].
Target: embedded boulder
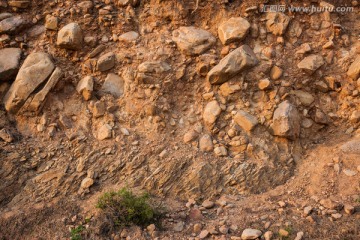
[(36, 69)]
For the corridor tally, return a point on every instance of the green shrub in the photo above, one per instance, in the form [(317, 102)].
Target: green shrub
[(125, 208), (76, 232)]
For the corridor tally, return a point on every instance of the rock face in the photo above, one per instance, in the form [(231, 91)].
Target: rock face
[(192, 40), (70, 37), (114, 85), (277, 23), (211, 113), (9, 63), (36, 69), (245, 120), (354, 70), (235, 62), (11, 24), (286, 121), (234, 29), (311, 63)]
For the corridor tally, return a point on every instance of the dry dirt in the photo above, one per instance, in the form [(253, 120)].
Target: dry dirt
[(266, 182)]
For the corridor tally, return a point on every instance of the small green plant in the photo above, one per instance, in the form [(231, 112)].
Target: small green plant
[(125, 208), (76, 232)]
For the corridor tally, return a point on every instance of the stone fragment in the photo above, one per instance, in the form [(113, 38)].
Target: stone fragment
[(235, 62), (85, 87), (211, 113), (275, 72), (86, 183), (19, 3), (208, 204), (264, 84), (250, 233), (354, 69), (206, 144), (245, 120), (106, 62), (232, 30), (104, 132), (192, 40), (51, 22), (114, 85), (220, 151), (190, 136), (311, 63), (6, 136), (277, 23), (70, 37), (129, 36), (286, 121)]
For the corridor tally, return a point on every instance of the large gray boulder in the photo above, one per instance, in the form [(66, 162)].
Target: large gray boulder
[(36, 69), (238, 60), (192, 40), (70, 37), (9, 63), (286, 121)]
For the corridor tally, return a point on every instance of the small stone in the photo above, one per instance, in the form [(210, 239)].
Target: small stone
[(85, 87), (275, 72), (245, 120), (106, 62), (349, 209), (354, 69), (114, 85), (6, 136), (268, 235), (349, 173), (51, 22), (299, 236), (151, 228), (277, 23), (336, 216), (208, 204), (223, 229), (355, 116), (104, 132), (282, 204), (232, 30), (211, 113), (220, 151), (311, 63), (124, 131), (204, 234), (250, 233), (99, 109), (206, 144), (12, 24), (286, 121), (129, 37), (192, 40), (283, 233), (197, 228), (70, 37), (328, 203), (308, 210), (190, 136), (264, 84), (86, 183), (179, 227)]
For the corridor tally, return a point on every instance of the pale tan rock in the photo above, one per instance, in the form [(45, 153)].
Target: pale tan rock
[(245, 120), (234, 29), (70, 37)]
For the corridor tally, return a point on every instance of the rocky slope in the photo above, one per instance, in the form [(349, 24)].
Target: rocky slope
[(251, 117)]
